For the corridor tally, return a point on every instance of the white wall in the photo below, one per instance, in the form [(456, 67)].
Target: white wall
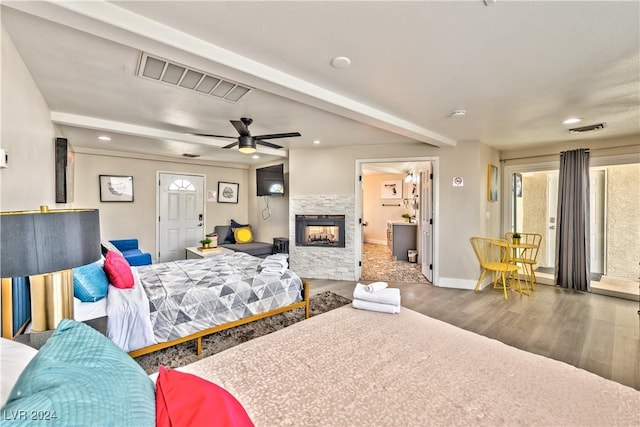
[(462, 211), (27, 135), (138, 219), (267, 225)]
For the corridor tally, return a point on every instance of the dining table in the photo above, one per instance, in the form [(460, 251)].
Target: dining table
[(513, 251)]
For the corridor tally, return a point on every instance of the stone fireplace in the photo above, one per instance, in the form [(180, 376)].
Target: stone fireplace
[(320, 230), (323, 258)]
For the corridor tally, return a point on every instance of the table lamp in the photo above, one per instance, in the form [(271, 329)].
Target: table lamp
[(45, 245)]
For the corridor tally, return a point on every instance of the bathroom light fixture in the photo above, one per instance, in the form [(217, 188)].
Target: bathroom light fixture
[(409, 177), (316, 141), (572, 120)]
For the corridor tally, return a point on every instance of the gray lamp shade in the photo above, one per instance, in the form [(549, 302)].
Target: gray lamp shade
[(37, 243)]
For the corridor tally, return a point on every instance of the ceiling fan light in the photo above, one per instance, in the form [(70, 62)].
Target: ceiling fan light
[(246, 145)]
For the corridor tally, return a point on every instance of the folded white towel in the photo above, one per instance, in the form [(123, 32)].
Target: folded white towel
[(374, 306), (274, 264), (376, 286), (276, 260), (384, 296), (272, 269)]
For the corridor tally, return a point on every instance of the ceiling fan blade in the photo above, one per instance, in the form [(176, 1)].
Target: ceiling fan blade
[(214, 136), (267, 144), (231, 145), (242, 128), (278, 135)]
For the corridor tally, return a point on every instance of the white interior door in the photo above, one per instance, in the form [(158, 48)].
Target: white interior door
[(552, 211), (180, 214), (597, 214), (426, 221)]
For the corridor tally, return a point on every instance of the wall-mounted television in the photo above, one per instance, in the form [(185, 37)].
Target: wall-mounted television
[(270, 180)]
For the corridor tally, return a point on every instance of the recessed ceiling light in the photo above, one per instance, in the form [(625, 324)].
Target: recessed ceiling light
[(458, 113), (317, 141), (104, 138), (340, 62), (572, 120)]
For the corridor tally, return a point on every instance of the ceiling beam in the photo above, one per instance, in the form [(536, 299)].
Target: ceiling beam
[(146, 132), (107, 20)]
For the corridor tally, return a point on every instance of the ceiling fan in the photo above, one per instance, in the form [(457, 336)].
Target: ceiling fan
[(246, 142)]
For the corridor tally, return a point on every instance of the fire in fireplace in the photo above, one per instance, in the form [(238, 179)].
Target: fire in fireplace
[(320, 230)]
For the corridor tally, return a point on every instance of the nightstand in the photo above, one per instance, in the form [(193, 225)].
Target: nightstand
[(37, 339)]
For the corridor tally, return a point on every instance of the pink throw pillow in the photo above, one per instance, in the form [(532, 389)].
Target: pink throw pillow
[(118, 270), (187, 400)]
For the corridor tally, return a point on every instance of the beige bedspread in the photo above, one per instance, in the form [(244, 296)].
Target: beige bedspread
[(356, 368)]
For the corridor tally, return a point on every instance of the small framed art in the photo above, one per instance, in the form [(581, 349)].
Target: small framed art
[(228, 192), (391, 189), (116, 188), (492, 184)]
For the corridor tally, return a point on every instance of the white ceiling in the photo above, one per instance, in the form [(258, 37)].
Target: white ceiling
[(517, 68)]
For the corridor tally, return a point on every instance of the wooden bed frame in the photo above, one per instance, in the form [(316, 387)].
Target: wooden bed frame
[(197, 336)]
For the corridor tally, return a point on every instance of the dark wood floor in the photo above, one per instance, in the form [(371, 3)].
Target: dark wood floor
[(598, 333)]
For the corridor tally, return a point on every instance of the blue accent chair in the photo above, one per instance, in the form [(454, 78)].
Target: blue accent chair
[(130, 251)]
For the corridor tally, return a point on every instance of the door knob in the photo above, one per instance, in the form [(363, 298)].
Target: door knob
[(200, 225)]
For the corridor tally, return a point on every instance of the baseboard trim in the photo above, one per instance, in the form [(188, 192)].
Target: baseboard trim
[(451, 282)]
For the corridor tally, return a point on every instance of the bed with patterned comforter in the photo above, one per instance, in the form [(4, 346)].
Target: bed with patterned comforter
[(186, 297)]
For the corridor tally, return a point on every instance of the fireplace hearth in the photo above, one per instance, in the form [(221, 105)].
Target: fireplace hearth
[(320, 230)]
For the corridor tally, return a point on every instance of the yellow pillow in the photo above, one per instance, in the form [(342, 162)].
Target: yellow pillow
[(243, 235)]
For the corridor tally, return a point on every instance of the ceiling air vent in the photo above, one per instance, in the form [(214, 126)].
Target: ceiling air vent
[(164, 71), (589, 128), (191, 156)]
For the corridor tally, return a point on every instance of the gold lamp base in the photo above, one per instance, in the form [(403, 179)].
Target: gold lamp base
[(51, 299)]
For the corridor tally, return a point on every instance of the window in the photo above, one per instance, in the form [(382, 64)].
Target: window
[(181, 185)]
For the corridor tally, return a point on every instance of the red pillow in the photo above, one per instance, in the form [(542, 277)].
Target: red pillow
[(187, 400), (118, 270)]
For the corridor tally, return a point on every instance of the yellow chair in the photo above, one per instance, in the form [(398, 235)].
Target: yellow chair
[(493, 255), (527, 254)]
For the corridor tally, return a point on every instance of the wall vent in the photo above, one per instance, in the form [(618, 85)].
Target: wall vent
[(589, 128), (164, 71)]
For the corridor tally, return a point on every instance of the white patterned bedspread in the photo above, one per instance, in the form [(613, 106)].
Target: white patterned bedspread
[(188, 296)]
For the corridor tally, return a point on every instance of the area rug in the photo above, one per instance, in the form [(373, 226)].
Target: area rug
[(185, 353)]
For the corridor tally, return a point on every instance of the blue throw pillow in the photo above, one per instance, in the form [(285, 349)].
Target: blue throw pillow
[(81, 378), (90, 283), (230, 237)]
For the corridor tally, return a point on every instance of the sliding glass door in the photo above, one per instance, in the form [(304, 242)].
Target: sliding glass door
[(614, 219)]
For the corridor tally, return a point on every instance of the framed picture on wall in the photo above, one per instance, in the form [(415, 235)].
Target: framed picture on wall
[(492, 184), (228, 192), (116, 188), (391, 189)]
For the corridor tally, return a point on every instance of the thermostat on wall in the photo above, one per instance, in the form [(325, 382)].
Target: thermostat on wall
[(4, 158)]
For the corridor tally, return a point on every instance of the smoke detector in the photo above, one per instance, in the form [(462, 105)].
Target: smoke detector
[(589, 128), (458, 113)]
